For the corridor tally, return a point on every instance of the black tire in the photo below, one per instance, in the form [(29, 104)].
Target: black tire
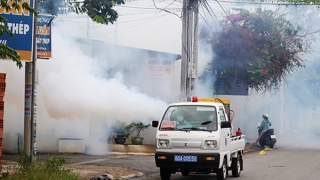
[(165, 173), (222, 172), (185, 172), (262, 143), (271, 145), (274, 141), (236, 166)]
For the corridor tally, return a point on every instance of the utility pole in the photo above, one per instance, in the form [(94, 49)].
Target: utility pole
[(33, 125), (194, 64), (189, 54), (27, 108), (184, 70), (29, 105)]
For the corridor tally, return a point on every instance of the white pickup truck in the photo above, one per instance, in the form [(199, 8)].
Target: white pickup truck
[(196, 137)]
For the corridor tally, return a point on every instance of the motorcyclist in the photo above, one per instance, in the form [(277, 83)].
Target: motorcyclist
[(264, 126)]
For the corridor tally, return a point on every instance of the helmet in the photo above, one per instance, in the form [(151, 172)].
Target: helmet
[(265, 115)]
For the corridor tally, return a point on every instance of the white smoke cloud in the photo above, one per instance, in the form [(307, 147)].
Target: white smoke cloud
[(76, 99), (72, 88), (290, 116)]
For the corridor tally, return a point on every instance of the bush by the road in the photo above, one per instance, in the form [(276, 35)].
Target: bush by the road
[(51, 169)]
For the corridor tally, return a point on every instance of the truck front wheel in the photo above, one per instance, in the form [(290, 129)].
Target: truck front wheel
[(222, 172), (185, 172), (165, 173), (236, 167)]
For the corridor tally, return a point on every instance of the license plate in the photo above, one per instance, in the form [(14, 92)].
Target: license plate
[(273, 136), (180, 158)]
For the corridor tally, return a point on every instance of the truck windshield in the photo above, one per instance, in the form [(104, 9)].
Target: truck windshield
[(190, 118)]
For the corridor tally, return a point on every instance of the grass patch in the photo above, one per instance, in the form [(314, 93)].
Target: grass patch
[(51, 169)]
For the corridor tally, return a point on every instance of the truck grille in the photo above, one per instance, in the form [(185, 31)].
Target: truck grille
[(186, 143)]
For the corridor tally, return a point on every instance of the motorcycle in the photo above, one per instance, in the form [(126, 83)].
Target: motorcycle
[(268, 138)]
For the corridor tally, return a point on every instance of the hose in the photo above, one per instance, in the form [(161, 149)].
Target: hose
[(232, 114)]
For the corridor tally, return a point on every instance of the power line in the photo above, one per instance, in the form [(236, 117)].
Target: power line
[(210, 11), (269, 3), (164, 9), (149, 18), (229, 19), (133, 26), (203, 4)]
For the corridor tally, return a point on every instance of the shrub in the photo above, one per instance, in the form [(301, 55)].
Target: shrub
[(51, 169)]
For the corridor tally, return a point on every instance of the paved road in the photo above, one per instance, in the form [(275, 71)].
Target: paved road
[(295, 159), (140, 163)]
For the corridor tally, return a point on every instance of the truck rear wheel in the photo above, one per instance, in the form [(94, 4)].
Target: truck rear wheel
[(222, 172), (236, 166), (185, 172), (271, 145), (262, 142), (165, 173)]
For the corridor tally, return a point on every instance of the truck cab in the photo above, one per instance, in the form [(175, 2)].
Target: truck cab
[(196, 137)]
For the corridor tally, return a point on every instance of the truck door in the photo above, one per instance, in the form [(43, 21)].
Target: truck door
[(225, 132)]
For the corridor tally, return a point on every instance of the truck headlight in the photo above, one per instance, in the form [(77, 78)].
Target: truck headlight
[(163, 143), (210, 144)]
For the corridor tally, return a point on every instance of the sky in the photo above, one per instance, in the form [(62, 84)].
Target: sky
[(77, 99), (140, 24)]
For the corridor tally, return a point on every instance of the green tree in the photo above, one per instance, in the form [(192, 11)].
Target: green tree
[(100, 11), (297, 2), (256, 49), (5, 51)]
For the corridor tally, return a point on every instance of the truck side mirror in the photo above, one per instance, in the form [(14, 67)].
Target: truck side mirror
[(155, 123), (225, 124)]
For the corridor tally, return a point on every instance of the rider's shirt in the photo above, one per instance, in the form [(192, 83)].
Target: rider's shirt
[(265, 124)]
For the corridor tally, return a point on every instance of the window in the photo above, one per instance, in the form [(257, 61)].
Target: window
[(190, 118), (222, 114)]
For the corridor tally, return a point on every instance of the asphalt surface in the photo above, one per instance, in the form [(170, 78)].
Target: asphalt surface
[(143, 164)]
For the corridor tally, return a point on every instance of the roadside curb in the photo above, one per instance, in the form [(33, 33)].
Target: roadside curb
[(131, 149), (149, 150)]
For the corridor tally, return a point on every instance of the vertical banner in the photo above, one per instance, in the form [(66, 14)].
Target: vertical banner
[(43, 32), (20, 23)]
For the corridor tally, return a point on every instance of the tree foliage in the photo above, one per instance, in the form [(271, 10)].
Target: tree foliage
[(296, 2), (100, 11), (5, 51), (256, 49), (54, 7)]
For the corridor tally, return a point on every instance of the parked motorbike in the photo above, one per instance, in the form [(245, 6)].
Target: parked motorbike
[(268, 138)]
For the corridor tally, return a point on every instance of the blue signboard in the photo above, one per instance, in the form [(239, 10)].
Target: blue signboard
[(20, 23), (43, 31)]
